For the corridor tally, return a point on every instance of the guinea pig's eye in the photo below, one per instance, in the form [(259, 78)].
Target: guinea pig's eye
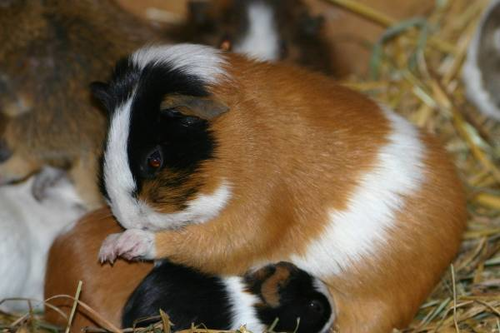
[(152, 163), (155, 160), (316, 307)]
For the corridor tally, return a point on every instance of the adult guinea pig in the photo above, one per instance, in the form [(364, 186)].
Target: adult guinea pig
[(32, 214), (481, 71), (276, 291), (262, 29), (225, 164), (51, 51), (300, 302)]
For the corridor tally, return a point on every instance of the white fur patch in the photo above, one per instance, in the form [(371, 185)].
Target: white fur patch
[(472, 76), (200, 210), (362, 229), (262, 40), (117, 175), (320, 287), (27, 229), (201, 61), (242, 304)]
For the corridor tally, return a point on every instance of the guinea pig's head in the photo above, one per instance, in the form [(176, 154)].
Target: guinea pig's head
[(160, 139), (262, 29), (300, 301)]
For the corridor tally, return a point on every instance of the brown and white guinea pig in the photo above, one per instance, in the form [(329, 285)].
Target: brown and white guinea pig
[(225, 164), (481, 71), (263, 29), (51, 51), (275, 291)]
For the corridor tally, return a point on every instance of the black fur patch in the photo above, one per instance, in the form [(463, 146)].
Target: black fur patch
[(185, 141), (100, 179), (186, 295), (121, 86), (185, 144)]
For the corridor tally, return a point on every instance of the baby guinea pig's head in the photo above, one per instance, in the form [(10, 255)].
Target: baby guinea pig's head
[(159, 137)]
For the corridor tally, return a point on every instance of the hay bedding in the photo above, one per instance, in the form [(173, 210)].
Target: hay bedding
[(416, 70)]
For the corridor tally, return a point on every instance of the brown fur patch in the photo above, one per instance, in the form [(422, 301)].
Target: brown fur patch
[(270, 289), (73, 258), (172, 191), (268, 219), (54, 119)]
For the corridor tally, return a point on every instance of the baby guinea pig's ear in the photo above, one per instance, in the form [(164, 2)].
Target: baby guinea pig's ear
[(205, 108), (100, 91)]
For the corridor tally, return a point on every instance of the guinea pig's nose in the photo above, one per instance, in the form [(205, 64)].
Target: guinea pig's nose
[(5, 152)]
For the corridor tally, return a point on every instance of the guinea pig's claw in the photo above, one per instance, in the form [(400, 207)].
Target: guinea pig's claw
[(131, 244), (107, 252)]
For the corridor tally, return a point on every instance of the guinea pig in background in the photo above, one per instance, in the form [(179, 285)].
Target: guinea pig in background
[(300, 302), (123, 293), (225, 164), (481, 71), (51, 51), (32, 214), (262, 29)]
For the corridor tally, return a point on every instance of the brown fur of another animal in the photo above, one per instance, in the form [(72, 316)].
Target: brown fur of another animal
[(51, 51), (73, 258), (372, 295)]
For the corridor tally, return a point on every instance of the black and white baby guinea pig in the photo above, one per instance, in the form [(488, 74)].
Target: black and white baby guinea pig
[(481, 72), (300, 302), (262, 29)]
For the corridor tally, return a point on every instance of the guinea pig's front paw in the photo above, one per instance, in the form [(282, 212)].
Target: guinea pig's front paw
[(130, 244)]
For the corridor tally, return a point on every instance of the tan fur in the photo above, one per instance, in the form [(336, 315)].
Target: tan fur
[(73, 257), (273, 284), (308, 178)]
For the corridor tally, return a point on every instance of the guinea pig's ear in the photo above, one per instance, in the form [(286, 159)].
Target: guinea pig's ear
[(202, 107), (100, 91)]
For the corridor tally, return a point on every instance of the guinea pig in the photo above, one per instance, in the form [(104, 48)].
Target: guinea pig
[(276, 291), (225, 164), (300, 302), (481, 71), (28, 225), (51, 51), (263, 29), (72, 258)]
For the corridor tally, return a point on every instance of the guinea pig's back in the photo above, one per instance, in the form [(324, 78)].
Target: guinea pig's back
[(379, 199)]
